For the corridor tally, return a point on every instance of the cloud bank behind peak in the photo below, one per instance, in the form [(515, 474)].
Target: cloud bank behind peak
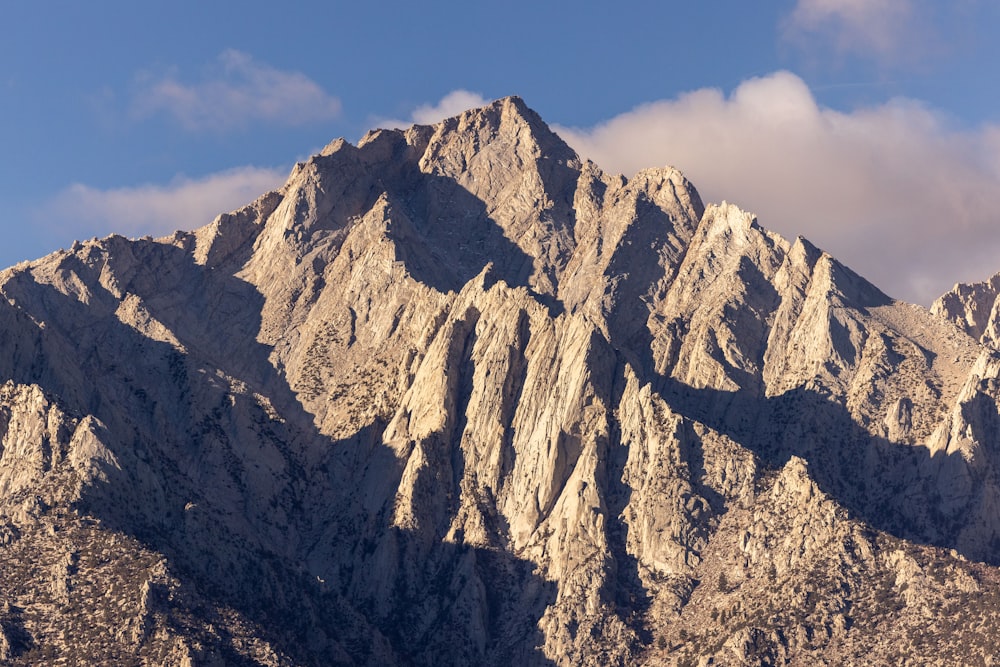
[(892, 190)]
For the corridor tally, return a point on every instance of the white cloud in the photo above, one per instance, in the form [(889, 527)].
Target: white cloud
[(83, 211), (892, 190), (237, 92), (450, 105)]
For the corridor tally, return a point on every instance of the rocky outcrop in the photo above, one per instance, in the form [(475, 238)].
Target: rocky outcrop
[(454, 395), (973, 308)]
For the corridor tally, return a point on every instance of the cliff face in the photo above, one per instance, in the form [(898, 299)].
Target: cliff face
[(973, 308), (455, 396)]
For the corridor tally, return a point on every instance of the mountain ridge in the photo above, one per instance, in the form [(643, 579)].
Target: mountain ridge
[(454, 395)]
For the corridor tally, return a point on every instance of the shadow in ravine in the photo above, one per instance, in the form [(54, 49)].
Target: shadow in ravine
[(890, 486), (445, 235)]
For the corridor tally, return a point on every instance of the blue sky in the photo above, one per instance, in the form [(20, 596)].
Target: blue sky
[(871, 127)]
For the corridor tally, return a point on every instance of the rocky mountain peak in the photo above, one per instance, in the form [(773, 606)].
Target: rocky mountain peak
[(507, 118), (454, 395)]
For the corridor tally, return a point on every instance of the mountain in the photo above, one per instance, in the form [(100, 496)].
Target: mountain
[(456, 396)]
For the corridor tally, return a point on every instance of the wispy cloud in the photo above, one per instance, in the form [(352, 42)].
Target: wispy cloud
[(888, 31), (235, 92), (451, 104), (82, 211), (892, 190)]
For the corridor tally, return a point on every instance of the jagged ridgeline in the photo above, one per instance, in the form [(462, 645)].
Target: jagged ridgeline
[(455, 396)]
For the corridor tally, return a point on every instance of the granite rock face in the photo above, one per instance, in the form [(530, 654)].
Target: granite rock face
[(973, 308), (456, 396)]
